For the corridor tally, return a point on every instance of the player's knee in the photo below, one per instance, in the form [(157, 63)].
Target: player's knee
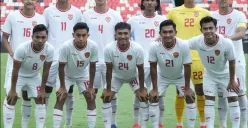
[(189, 100), (210, 98), (13, 102), (25, 96), (71, 89), (96, 90), (199, 90), (232, 99), (48, 89)]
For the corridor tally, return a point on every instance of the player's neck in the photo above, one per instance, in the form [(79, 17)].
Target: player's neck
[(168, 45), (28, 12), (101, 8), (225, 10), (63, 5), (212, 41), (123, 47), (36, 48), (80, 46), (189, 5), (149, 13)]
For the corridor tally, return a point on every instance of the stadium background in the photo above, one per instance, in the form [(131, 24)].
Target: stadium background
[(127, 8)]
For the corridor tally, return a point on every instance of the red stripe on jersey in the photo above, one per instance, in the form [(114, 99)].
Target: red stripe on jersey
[(123, 50), (79, 48), (25, 15), (100, 12), (171, 46), (63, 10), (227, 13), (214, 43)]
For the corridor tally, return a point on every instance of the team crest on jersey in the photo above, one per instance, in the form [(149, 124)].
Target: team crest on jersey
[(156, 23), (175, 54), (87, 54), (129, 57), (34, 23), (42, 57), (217, 52), (70, 16), (229, 20), (196, 14), (108, 19)]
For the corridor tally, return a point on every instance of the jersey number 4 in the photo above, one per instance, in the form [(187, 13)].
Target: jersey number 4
[(100, 28)]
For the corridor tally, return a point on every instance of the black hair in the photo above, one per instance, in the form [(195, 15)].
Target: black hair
[(80, 25), (122, 25), (167, 23), (39, 28), (157, 8), (208, 19)]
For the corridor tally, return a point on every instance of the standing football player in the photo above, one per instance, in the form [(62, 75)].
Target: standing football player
[(145, 29), (101, 20), (219, 76), (187, 18), (123, 59), (29, 58), (17, 29), (60, 20), (232, 24)]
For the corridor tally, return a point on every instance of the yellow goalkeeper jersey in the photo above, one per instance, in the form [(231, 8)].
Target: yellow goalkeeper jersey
[(188, 22)]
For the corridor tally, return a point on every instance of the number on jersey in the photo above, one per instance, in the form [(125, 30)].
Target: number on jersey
[(63, 26), (222, 30), (80, 63), (26, 32), (149, 33), (169, 63), (189, 22), (35, 66), (197, 75), (100, 28), (123, 66), (210, 59)]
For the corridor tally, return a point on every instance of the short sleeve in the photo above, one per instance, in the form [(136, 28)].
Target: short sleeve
[(19, 54), (192, 43), (94, 53), (152, 53), (63, 54), (186, 54), (50, 53), (7, 25), (140, 56), (230, 51), (242, 18), (107, 54), (169, 15)]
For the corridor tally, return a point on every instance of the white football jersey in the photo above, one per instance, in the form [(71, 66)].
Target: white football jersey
[(20, 27), (60, 25), (77, 60), (144, 31), (32, 61), (101, 28), (170, 60), (214, 57), (124, 62), (227, 25)]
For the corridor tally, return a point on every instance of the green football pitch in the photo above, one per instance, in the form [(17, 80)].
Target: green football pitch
[(124, 115)]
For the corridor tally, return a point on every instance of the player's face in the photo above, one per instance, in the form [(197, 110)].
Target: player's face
[(223, 3), (39, 39), (150, 4), (80, 36), (29, 4), (189, 1), (208, 30), (168, 33), (101, 2), (122, 36)]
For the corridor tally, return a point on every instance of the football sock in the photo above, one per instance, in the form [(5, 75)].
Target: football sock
[(209, 113), (144, 114), (57, 117), (107, 114), (200, 106), (154, 114), (47, 99), (235, 114), (222, 110), (69, 102), (91, 115), (114, 109), (8, 114), (26, 111), (179, 106), (136, 107), (243, 110), (191, 114), (161, 110), (40, 115)]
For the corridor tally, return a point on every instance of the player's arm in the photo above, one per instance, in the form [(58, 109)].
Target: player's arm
[(6, 44), (109, 70), (15, 71), (153, 70), (62, 74), (240, 32), (141, 75), (46, 67), (93, 61), (187, 73), (7, 31)]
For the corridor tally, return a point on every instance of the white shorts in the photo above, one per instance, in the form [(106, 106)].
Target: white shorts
[(82, 83), (117, 83), (241, 78), (100, 76), (147, 79), (213, 85), (53, 74), (31, 85), (163, 84)]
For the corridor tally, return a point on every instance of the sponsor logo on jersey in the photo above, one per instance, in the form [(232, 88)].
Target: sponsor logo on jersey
[(175, 54), (87, 54), (34, 23), (156, 23), (70, 16), (217, 52), (42, 57), (108, 19), (196, 14), (129, 57), (229, 20)]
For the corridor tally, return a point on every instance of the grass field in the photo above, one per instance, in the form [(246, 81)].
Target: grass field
[(124, 117)]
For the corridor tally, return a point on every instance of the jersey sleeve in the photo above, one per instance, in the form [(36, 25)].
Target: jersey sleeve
[(50, 54), (152, 54), (43, 20), (79, 15), (192, 43), (140, 56), (169, 15), (242, 18), (230, 51), (107, 55), (46, 16), (19, 54), (94, 54), (119, 18), (63, 54), (7, 25), (186, 54)]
